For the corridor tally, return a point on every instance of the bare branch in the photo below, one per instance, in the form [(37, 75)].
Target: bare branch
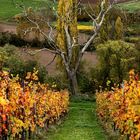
[(92, 18), (98, 25), (46, 49), (51, 61), (28, 30), (34, 52), (101, 11)]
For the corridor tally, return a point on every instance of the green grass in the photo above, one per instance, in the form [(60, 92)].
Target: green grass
[(131, 6), (135, 26), (8, 9), (80, 124), (85, 23)]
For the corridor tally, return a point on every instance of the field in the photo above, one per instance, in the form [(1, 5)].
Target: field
[(132, 6), (8, 9)]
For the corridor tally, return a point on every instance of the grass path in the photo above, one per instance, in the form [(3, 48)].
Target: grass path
[(80, 124)]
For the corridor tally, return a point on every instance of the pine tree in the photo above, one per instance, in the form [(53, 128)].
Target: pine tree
[(67, 11), (119, 28)]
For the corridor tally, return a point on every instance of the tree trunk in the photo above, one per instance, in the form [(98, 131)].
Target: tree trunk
[(73, 83)]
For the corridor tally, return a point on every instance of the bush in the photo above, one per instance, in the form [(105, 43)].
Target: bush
[(15, 65), (133, 30), (13, 39), (9, 38), (113, 26), (42, 72), (132, 39), (17, 41), (4, 38), (58, 81), (86, 84), (133, 18), (115, 58), (137, 46)]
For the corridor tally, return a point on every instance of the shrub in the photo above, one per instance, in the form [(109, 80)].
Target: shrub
[(58, 81), (132, 39), (13, 39), (116, 58), (4, 38), (86, 84), (11, 60), (133, 18), (42, 72), (17, 40)]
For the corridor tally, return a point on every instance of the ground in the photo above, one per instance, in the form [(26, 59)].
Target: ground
[(80, 124)]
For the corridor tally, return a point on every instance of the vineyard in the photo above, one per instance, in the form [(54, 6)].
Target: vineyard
[(69, 70), (119, 109), (26, 106)]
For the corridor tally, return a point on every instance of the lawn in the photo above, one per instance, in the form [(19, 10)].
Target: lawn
[(80, 124), (8, 9), (131, 6)]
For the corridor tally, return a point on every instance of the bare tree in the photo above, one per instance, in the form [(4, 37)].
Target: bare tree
[(66, 54)]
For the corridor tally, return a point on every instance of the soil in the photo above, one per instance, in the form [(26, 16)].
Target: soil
[(5, 27), (45, 57)]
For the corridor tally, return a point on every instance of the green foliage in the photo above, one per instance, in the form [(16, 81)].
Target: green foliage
[(133, 18), (11, 61), (9, 38), (137, 46), (3, 57), (67, 9), (131, 6), (4, 38), (113, 26), (58, 81), (115, 59), (13, 39), (8, 9), (85, 84), (119, 28), (133, 30), (132, 39)]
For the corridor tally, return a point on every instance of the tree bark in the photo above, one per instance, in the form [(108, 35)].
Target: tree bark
[(73, 83)]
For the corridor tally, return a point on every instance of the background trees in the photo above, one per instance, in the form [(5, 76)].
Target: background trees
[(116, 58)]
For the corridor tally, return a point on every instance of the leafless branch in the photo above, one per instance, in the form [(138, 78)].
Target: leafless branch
[(34, 52), (98, 23), (51, 61), (92, 18)]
